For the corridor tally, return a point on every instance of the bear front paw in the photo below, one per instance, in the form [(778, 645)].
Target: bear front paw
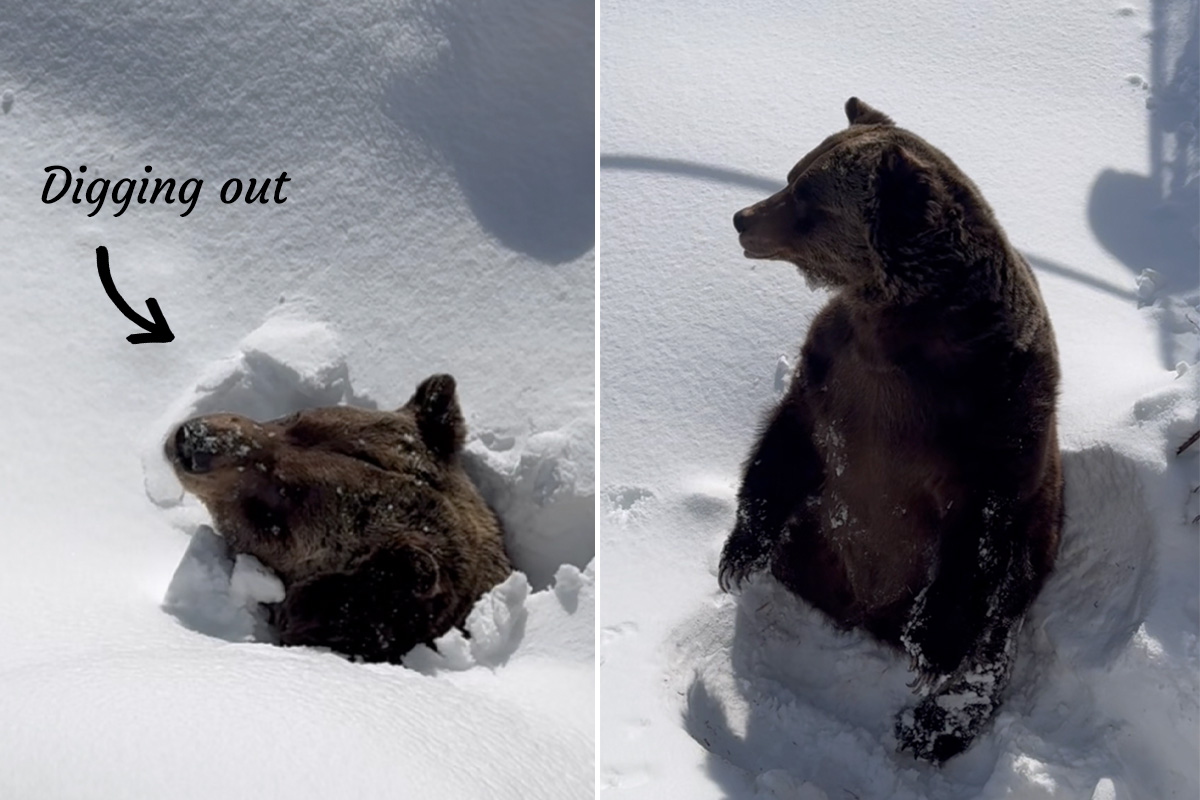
[(929, 733), (744, 555)]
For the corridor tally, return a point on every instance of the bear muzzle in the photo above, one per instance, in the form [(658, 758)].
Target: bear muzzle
[(760, 227), (203, 444), (741, 220), (192, 448)]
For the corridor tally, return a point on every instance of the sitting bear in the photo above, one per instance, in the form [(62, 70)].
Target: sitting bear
[(367, 517), (909, 483)]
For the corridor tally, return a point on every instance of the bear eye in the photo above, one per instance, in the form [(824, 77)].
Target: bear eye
[(800, 205), (806, 213), (365, 457), (802, 208), (265, 519)]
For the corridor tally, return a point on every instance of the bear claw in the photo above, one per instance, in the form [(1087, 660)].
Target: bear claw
[(924, 731)]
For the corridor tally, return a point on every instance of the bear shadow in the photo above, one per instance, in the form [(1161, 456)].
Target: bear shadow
[(793, 702), (509, 103)]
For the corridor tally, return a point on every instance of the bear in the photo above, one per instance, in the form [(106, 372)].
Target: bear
[(909, 483), (379, 537)]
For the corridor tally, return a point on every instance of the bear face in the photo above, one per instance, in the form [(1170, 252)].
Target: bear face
[(818, 221), (865, 191), (366, 516)]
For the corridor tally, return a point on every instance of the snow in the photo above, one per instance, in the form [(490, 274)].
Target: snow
[(704, 109), (438, 218)]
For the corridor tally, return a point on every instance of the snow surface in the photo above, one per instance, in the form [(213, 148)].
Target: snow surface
[(705, 107), (438, 219)]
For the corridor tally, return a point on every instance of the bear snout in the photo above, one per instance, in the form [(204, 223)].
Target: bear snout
[(755, 231), (189, 451)]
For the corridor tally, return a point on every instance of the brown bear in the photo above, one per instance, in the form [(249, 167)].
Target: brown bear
[(367, 517), (909, 483)]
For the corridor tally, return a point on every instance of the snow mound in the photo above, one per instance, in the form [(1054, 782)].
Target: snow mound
[(765, 684), (496, 626), (1104, 578), (540, 485), (544, 492), (219, 594), (503, 618)]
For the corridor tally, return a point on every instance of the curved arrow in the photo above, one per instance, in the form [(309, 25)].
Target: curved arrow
[(157, 329)]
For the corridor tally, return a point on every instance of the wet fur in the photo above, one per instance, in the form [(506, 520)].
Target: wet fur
[(910, 482), (380, 539)]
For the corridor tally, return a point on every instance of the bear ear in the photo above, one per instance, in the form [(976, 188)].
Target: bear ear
[(425, 573), (859, 113), (908, 192), (439, 419), (408, 567)]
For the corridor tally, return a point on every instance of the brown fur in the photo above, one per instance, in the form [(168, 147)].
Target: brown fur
[(379, 537), (910, 482)]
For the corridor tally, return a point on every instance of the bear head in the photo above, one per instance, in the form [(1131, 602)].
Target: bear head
[(321, 490), (867, 192)]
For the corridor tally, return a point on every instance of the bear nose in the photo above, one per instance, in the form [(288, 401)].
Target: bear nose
[(741, 221), (188, 454)]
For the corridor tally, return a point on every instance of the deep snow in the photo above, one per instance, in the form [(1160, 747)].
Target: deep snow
[(426, 144), (1094, 176)]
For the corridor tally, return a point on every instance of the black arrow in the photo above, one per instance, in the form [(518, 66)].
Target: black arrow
[(157, 330)]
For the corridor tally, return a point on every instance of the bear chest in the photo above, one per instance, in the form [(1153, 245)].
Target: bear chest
[(874, 510)]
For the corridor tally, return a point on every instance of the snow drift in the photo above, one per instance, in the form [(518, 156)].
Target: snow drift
[(132, 663), (1093, 175)]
